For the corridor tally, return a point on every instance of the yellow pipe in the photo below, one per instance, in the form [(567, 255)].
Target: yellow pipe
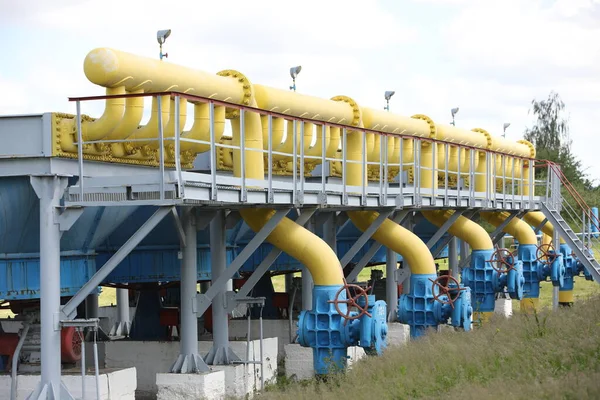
[(109, 68), (463, 228), (200, 130), (134, 110), (150, 130), (113, 112), (519, 229), (390, 234), (535, 218), (288, 236), (566, 296)]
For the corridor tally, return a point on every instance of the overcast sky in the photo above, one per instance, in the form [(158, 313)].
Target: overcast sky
[(488, 57)]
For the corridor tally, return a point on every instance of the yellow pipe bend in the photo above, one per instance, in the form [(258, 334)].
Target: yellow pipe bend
[(200, 129), (399, 239), (519, 229), (113, 112), (463, 228), (535, 218)]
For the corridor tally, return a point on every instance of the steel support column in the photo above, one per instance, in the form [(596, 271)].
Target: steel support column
[(330, 231), (453, 257), (123, 323), (50, 190), (391, 287), (307, 280), (189, 361), (220, 353)]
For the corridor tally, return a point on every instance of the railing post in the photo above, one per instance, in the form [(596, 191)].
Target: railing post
[(385, 170), (301, 194), (295, 162), (381, 157), (213, 151), (180, 189), (243, 154), (323, 163), (80, 150), (401, 172), (365, 181), (458, 174), (161, 149), (344, 166), (446, 172), (270, 198)]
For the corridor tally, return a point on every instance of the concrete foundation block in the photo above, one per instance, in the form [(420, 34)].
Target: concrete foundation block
[(398, 334), (114, 385), (299, 363), (236, 380), (210, 385), (503, 307)]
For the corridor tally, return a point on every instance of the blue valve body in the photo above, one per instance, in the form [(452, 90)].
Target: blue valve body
[(325, 330)]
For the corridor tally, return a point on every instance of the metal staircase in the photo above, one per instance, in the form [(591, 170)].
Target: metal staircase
[(579, 217)]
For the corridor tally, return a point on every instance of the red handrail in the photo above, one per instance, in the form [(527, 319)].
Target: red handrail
[(573, 192)]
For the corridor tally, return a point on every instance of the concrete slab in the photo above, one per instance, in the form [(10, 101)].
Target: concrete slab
[(299, 360), (279, 328), (152, 358), (503, 307), (114, 385), (210, 385), (398, 334)]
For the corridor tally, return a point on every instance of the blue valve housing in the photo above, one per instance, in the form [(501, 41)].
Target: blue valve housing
[(532, 271), (480, 276), (330, 335), (420, 311)]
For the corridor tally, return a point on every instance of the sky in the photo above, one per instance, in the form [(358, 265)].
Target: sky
[(490, 58)]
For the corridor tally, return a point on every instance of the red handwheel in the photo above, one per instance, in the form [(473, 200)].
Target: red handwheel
[(351, 301), (502, 261), (546, 253), (445, 289), (70, 345)]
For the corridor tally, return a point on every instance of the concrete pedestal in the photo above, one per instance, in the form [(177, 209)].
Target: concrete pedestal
[(503, 307), (208, 385), (114, 385)]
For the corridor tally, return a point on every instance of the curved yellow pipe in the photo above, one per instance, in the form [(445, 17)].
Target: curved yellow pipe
[(390, 234), (519, 229), (150, 130), (113, 112), (200, 129), (463, 228), (134, 111), (535, 218), (401, 240), (299, 243)]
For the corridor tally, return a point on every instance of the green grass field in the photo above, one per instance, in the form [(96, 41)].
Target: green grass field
[(548, 355)]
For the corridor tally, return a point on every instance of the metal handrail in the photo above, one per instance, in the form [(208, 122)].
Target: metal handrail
[(490, 170)]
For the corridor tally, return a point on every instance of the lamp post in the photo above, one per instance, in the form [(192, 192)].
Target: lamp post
[(388, 96), (454, 111), (506, 125), (161, 37), (294, 71)]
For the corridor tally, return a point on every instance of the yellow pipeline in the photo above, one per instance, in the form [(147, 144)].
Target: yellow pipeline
[(288, 236), (463, 228), (535, 218), (390, 234), (519, 229)]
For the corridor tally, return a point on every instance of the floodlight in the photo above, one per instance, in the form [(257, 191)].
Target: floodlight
[(389, 94), (506, 125), (294, 71), (162, 35), (454, 111)]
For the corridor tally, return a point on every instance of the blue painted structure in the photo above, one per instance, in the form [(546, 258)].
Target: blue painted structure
[(420, 311), (324, 329)]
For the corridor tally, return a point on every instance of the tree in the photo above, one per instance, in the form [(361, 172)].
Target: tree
[(550, 136)]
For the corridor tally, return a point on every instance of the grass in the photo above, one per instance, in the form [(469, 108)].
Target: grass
[(541, 356)]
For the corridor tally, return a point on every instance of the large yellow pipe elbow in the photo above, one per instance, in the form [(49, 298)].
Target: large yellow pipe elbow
[(462, 228), (390, 234), (401, 240), (519, 229), (150, 130), (113, 112), (134, 111), (535, 218), (301, 244)]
